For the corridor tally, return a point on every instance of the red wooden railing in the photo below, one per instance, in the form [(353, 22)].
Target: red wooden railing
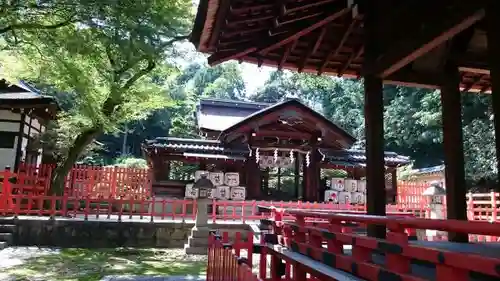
[(115, 191), (325, 246), (226, 260), (83, 180), (397, 256)]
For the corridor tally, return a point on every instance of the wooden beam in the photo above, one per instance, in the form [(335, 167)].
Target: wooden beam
[(292, 19), (243, 9), (313, 48), (444, 27), (271, 43), (333, 53), (453, 148), (220, 21), (249, 19), (352, 57), (283, 134), (492, 21), (288, 50), (374, 122), (221, 57), (297, 34), (474, 81), (303, 6)]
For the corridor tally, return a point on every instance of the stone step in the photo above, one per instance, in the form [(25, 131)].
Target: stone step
[(10, 228), (6, 237), (3, 245), (197, 242), (6, 220), (195, 250)]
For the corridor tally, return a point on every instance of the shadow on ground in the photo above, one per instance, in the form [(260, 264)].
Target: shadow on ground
[(94, 264)]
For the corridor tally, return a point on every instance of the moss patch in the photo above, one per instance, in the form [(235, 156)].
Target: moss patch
[(94, 264)]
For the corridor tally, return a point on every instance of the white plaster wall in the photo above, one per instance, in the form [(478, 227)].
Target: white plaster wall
[(8, 156), (23, 149), (9, 115), (36, 127), (26, 129), (9, 127), (36, 124)]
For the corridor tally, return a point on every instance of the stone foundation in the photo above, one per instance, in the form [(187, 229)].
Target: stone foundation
[(106, 234)]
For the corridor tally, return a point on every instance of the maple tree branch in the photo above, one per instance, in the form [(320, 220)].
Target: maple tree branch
[(151, 65), (36, 25)]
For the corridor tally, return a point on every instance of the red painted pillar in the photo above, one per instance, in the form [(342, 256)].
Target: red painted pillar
[(453, 148), (374, 121), (493, 22)]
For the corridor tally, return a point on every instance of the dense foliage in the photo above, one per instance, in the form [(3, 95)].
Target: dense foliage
[(114, 67), (113, 58), (412, 119)]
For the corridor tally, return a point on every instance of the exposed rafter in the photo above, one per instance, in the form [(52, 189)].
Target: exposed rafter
[(313, 48), (237, 10), (352, 57), (301, 34), (296, 35), (333, 53), (221, 57), (475, 80), (444, 27), (271, 42), (302, 6), (288, 50), (219, 22)]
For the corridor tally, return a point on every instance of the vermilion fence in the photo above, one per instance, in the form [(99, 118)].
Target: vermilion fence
[(85, 181), (395, 258), (119, 192), (326, 246), (230, 261)]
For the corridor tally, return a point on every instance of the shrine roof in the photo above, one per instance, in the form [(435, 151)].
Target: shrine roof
[(22, 95), (219, 114), (194, 145), (428, 170), (347, 138), (359, 156), (214, 148), (327, 37)]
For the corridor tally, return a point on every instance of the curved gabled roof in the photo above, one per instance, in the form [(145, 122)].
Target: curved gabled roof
[(324, 123)]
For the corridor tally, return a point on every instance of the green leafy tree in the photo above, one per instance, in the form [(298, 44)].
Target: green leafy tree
[(115, 65), (198, 81), (412, 117), (277, 87)]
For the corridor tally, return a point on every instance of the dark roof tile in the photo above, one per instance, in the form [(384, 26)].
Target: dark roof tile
[(342, 157)]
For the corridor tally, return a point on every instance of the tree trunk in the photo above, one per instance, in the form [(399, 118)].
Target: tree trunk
[(63, 167)]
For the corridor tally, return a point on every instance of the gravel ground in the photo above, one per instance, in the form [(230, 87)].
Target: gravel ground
[(52, 264), (15, 256)]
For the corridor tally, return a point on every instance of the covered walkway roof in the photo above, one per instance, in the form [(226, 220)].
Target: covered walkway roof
[(326, 37)]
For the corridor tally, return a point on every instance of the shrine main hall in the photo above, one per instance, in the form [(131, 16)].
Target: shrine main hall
[(250, 138)]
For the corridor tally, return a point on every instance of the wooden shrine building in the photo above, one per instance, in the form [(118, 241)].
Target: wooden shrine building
[(237, 136), (24, 115), (452, 45)]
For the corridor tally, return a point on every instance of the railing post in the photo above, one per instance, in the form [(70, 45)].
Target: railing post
[(493, 206), (470, 206), (396, 262), (5, 195)]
